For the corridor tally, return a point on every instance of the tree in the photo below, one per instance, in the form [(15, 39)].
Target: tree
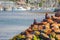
[(40, 4), (59, 2)]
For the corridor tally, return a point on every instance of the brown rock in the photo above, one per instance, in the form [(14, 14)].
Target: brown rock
[(57, 14)]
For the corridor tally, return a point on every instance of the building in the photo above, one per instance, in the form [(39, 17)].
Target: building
[(21, 2), (34, 1), (7, 4), (50, 3)]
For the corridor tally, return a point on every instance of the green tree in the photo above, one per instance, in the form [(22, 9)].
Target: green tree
[(59, 2), (40, 4)]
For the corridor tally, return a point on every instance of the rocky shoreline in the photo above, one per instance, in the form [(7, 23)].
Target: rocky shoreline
[(47, 29)]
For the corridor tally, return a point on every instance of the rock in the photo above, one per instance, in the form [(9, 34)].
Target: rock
[(57, 14)]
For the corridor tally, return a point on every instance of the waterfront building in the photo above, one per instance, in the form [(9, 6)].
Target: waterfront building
[(7, 3), (50, 3), (44, 3), (21, 2), (34, 3)]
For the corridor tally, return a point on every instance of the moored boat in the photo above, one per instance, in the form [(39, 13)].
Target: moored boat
[(1, 8), (8, 8), (41, 9), (19, 9)]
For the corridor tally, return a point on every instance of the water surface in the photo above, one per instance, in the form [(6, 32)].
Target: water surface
[(12, 23)]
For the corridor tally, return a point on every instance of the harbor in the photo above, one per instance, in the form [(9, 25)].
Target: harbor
[(18, 16), (45, 6)]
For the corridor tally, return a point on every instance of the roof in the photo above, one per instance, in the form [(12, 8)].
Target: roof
[(21, 2)]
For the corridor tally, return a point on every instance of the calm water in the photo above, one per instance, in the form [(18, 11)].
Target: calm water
[(12, 23)]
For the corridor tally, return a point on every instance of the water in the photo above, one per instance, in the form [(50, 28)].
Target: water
[(12, 23)]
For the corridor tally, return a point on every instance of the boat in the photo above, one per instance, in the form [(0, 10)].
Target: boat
[(28, 8), (19, 9), (51, 9), (8, 8), (56, 10), (41, 9), (1, 8)]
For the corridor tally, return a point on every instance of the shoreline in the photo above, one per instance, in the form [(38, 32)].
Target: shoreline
[(29, 11)]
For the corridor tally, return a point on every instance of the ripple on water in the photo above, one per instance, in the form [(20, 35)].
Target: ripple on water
[(12, 23)]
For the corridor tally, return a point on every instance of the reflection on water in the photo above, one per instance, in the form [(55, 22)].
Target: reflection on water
[(12, 23)]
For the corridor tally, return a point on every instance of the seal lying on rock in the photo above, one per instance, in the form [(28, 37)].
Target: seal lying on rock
[(57, 14), (48, 29)]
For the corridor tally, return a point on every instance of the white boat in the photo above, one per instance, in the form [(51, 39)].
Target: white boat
[(41, 9), (28, 8), (47, 10), (8, 9), (19, 9), (1, 8)]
